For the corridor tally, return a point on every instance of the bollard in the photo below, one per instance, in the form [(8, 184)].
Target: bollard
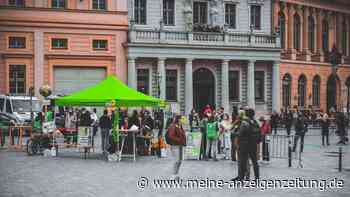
[(340, 159), (289, 153)]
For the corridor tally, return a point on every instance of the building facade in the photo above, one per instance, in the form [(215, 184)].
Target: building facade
[(198, 52), (66, 44), (309, 31)]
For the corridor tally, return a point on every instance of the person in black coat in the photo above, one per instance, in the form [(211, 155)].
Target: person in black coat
[(325, 129), (274, 122), (105, 123), (288, 121), (247, 145), (300, 130)]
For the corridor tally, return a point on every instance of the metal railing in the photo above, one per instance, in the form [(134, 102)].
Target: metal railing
[(209, 38)]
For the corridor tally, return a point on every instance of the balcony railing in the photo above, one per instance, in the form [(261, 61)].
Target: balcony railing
[(204, 38)]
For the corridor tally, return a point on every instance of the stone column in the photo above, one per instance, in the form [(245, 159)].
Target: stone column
[(132, 80), (38, 61), (162, 74), (306, 55), (188, 86), (251, 84), (225, 85), (319, 48), (276, 93)]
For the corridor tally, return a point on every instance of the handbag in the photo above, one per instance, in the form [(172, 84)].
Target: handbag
[(175, 136)]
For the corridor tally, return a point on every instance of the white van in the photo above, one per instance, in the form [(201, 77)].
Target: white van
[(19, 106)]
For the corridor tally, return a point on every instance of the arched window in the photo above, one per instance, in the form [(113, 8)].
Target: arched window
[(301, 91), (297, 32), (311, 33), (282, 25), (286, 90), (325, 35), (316, 82), (344, 38)]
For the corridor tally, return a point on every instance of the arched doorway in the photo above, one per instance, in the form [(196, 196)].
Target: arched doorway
[(203, 88), (332, 92)]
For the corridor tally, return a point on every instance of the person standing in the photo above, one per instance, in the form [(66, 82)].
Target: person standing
[(341, 122), (94, 119), (248, 135), (212, 137), (225, 130), (203, 129), (274, 122), (300, 129), (325, 129), (106, 126), (288, 121), (265, 130), (176, 137)]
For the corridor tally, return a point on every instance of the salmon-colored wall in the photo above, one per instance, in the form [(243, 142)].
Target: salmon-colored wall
[(4, 44), (310, 71), (39, 25), (79, 44), (29, 71), (112, 5)]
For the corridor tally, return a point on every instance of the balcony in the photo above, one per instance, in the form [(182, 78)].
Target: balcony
[(204, 38)]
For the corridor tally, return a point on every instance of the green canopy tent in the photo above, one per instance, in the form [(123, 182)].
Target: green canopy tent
[(108, 91)]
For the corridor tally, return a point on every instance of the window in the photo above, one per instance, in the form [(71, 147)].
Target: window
[(282, 25), (325, 36), (200, 12), (16, 3), (286, 90), (99, 4), (297, 31), (140, 12), (259, 85), (17, 76), (230, 15), (255, 16), (311, 33), (171, 85), (344, 39), (17, 42), (58, 4), (168, 12), (59, 43), (100, 44), (301, 91), (316, 91), (143, 81), (233, 85)]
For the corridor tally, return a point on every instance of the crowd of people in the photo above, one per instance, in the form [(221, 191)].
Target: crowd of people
[(238, 136)]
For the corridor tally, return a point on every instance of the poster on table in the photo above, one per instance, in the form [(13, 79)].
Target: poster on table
[(48, 127), (84, 134), (193, 145)]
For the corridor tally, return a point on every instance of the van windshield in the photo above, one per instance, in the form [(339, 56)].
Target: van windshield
[(24, 105)]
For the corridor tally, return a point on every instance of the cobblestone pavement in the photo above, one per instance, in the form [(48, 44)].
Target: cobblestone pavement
[(69, 175)]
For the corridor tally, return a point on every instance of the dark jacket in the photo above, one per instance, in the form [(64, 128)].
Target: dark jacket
[(325, 125), (105, 122), (85, 119), (300, 126), (246, 134)]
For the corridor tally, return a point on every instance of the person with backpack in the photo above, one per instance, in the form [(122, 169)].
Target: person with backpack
[(300, 130), (176, 137), (212, 137), (249, 136)]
